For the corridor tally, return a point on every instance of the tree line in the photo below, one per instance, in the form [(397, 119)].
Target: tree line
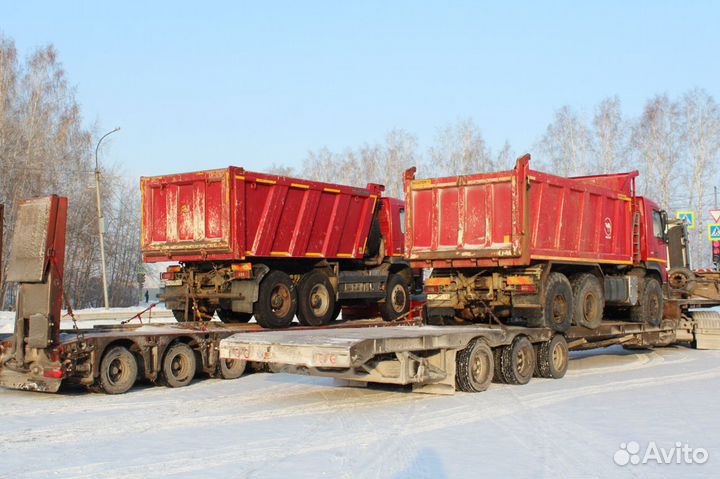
[(45, 149)]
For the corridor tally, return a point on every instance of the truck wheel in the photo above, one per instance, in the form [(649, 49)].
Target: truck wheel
[(397, 298), (682, 279), (650, 304), (557, 310), (277, 301), (474, 367), (179, 366), (518, 361), (229, 316), (118, 370), (316, 299), (552, 358), (588, 299), (232, 368)]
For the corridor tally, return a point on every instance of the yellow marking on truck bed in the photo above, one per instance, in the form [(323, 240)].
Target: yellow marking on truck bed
[(331, 190), (267, 182), (580, 260), (298, 185)]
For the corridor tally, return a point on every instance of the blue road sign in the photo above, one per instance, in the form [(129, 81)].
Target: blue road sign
[(688, 216), (714, 232)]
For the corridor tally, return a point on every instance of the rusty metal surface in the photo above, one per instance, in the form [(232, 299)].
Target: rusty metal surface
[(30, 359), (29, 241)]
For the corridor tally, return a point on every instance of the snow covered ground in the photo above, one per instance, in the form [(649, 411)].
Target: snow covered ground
[(266, 425)]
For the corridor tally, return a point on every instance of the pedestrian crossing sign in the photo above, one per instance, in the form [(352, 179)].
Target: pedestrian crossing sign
[(688, 216), (714, 232)]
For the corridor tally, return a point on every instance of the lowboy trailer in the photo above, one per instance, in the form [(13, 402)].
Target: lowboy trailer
[(441, 359)]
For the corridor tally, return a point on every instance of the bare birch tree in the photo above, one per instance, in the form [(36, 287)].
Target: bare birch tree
[(566, 144), (459, 149), (657, 141), (610, 153), (700, 122), (45, 149)]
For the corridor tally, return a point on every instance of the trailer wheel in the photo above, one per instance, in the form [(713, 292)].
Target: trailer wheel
[(588, 300), (397, 298), (518, 361), (229, 316), (552, 358), (232, 368), (118, 370), (179, 366), (650, 304), (316, 299), (277, 301), (474, 367), (557, 309)]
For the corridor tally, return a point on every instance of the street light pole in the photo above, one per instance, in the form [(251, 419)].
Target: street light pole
[(101, 219)]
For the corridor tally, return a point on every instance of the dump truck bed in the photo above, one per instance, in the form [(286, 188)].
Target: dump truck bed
[(233, 214), (513, 217)]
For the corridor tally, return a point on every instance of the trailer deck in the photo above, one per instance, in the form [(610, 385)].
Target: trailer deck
[(425, 356)]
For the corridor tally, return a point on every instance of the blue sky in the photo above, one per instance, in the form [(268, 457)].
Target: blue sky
[(206, 84)]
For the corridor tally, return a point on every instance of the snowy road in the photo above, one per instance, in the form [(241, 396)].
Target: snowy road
[(266, 425)]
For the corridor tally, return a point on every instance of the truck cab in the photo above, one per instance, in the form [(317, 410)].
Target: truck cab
[(653, 250)]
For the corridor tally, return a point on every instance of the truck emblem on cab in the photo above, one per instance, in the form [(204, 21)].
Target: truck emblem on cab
[(608, 228)]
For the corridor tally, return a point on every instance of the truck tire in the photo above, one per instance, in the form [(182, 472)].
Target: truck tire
[(397, 298), (518, 361), (118, 370), (649, 309), (232, 368), (277, 301), (474, 367), (552, 358), (588, 300), (179, 366), (230, 317), (557, 309), (316, 299)]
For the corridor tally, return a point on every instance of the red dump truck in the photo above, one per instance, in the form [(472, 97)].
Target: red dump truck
[(542, 248), (273, 247)]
